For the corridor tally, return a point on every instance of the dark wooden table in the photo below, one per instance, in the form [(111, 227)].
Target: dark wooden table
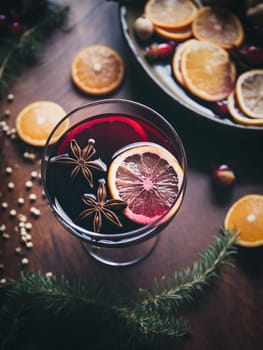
[(230, 314)]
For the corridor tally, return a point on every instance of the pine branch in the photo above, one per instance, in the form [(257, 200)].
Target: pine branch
[(15, 51), (169, 294), (155, 313)]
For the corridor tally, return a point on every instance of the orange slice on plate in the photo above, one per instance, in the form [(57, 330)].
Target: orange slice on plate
[(148, 177), (237, 114), (249, 93), (207, 71), (174, 34), (218, 25), (97, 70), (35, 122), (170, 13), (176, 61), (246, 216)]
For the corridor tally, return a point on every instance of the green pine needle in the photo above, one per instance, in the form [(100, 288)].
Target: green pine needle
[(16, 50), (154, 314)]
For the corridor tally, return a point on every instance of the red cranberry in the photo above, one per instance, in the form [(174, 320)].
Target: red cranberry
[(16, 27), (3, 19), (221, 108), (224, 176), (252, 54)]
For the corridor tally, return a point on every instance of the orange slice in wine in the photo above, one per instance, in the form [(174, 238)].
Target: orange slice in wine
[(148, 177)]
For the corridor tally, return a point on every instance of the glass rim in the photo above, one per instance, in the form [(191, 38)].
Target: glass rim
[(145, 230)]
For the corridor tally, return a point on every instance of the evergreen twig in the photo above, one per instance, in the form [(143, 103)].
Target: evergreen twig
[(153, 314), (16, 50)]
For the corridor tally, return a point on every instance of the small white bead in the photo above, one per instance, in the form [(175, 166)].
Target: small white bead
[(32, 197), (2, 228), (6, 235), (10, 185), (12, 212), (34, 175), (28, 185), (10, 97), (28, 226), (8, 170), (20, 201), (25, 261), (22, 218), (4, 205), (3, 281), (29, 245)]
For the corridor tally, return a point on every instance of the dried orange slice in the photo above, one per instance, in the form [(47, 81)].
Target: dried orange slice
[(174, 34), (170, 13), (35, 122), (207, 71), (148, 177), (246, 216), (97, 70), (238, 115), (218, 25), (176, 61), (249, 93)]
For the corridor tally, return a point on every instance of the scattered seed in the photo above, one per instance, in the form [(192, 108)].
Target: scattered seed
[(4, 205), (49, 274), (12, 212), (7, 113), (19, 251), (32, 197), (28, 226), (2, 266), (22, 218), (34, 211), (10, 97), (10, 186), (25, 261), (29, 245), (13, 136), (6, 235), (2, 228), (20, 201), (3, 281), (23, 231), (29, 156), (43, 194), (8, 170), (28, 237), (34, 175), (28, 185)]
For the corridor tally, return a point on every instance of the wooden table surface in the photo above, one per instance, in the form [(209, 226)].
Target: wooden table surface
[(230, 314)]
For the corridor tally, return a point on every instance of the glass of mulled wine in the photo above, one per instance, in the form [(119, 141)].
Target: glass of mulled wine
[(114, 174)]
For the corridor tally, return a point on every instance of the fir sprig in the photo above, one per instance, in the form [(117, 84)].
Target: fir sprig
[(16, 50), (154, 313)]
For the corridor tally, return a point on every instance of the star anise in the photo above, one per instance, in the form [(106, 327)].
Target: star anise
[(101, 208), (82, 160)]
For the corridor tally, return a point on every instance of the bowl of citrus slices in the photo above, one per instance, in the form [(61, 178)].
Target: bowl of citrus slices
[(207, 58)]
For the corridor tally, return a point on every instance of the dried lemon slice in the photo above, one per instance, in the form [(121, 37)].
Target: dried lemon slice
[(170, 13), (207, 71), (249, 93), (97, 70), (238, 115), (219, 26)]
